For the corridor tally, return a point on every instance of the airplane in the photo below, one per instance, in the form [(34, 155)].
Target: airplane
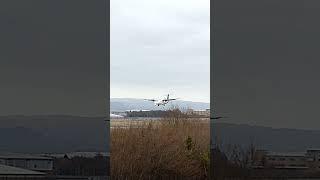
[(218, 117), (161, 102)]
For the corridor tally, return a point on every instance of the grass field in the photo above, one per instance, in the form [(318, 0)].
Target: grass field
[(173, 147)]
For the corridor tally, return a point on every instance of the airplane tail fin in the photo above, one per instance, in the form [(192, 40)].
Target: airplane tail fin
[(168, 97)]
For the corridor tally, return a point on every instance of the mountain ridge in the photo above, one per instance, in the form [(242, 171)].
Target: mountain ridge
[(263, 137), (123, 104)]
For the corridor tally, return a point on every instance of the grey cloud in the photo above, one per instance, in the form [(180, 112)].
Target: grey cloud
[(265, 62), (160, 44), (53, 57)]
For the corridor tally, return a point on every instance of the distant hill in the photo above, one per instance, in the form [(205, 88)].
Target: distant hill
[(53, 134), (281, 140), (123, 104), (58, 134)]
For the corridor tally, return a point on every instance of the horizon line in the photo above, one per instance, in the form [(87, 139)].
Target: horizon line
[(197, 101)]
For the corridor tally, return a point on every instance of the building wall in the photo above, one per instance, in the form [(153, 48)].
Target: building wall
[(42, 165), (31, 164), (310, 159), (285, 161), (313, 158), (22, 177)]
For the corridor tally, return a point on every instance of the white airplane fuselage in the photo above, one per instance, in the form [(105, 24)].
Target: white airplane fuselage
[(161, 102)]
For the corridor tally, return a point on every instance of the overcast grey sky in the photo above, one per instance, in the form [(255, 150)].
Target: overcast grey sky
[(266, 62), (160, 47), (53, 57)]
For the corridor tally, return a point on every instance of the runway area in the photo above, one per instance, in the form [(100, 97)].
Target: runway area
[(142, 121)]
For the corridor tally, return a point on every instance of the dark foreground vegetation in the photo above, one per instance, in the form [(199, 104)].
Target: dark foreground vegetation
[(237, 163)]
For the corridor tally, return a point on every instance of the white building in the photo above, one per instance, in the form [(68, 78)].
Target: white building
[(303, 160), (115, 116), (205, 112), (78, 154), (286, 160), (30, 162)]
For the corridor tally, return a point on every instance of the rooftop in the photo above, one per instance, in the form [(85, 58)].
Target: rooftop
[(288, 154), (313, 149), (79, 154), (291, 167), (22, 156)]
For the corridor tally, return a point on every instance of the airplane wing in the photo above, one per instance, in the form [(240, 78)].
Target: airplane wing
[(218, 117), (153, 100), (172, 99)]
